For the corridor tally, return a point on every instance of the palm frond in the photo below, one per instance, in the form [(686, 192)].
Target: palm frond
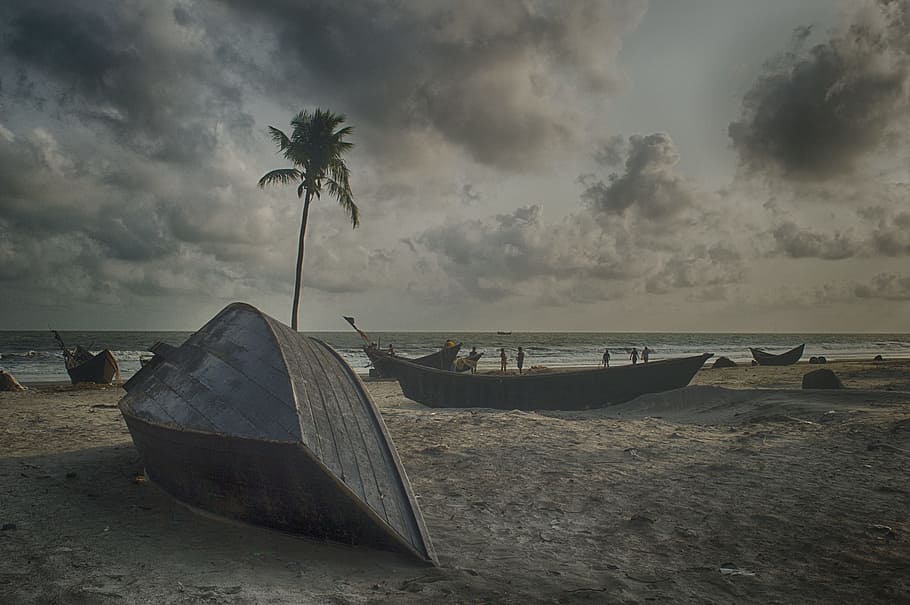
[(282, 176), (342, 192), (279, 138)]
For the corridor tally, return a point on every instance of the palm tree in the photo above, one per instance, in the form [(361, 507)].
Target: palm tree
[(314, 148)]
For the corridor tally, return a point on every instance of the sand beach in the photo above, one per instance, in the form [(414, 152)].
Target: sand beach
[(741, 488)]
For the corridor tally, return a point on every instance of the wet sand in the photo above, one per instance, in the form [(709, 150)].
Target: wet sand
[(742, 489)]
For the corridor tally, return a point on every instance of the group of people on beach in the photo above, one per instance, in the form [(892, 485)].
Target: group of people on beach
[(633, 356), (519, 359)]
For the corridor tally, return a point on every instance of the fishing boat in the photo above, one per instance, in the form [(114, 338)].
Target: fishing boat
[(83, 367), (504, 332), (250, 420), (559, 390), (442, 359), (783, 359)]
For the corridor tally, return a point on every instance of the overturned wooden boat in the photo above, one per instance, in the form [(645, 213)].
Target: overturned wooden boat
[(84, 367), (250, 420), (783, 359), (560, 390)]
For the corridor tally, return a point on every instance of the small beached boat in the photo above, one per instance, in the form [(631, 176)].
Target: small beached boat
[(83, 367), (784, 359), (559, 390), (250, 420), (441, 359)]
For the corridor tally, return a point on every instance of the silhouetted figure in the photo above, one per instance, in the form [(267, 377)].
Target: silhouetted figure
[(502, 360), (391, 350), (521, 359), (634, 356), (645, 354), (473, 355), (606, 361)]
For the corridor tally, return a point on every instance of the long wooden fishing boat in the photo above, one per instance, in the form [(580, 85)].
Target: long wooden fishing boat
[(250, 420), (83, 367), (558, 390), (441, 359), (783, 359)]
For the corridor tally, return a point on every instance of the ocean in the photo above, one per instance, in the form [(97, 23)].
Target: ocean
[(35, 357)]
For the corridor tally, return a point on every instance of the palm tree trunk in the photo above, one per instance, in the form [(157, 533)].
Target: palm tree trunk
[(299, 275)]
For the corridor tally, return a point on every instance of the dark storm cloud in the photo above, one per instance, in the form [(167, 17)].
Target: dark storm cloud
[(495, 257), (612, 152), (125, 67), (698, 267), (798, 242), (642, 231), (875, 231), (649, 186), (814, 114), (891, 232), (496, 79), (126, 127), (886, 286)]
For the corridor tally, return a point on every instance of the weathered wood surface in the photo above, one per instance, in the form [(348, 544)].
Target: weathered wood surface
[(784, 359), (254, 421), (569, 390)]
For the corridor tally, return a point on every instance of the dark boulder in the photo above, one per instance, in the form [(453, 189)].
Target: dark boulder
[(877, 358), (724, 362), (813, 359), (821, 359), (822, 379)]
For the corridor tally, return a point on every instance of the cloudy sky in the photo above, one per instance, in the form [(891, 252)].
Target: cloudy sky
[(613, 165)]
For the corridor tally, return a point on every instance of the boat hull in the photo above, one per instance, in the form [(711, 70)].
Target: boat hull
[(442, 359), (271, 484), (571, 390), (100, 369), (784, 359), (252, 421)]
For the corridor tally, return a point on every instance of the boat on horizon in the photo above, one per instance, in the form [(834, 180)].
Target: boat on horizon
[(504, 332), (252, 421), (783, 359), (558, 390), (84, 367)]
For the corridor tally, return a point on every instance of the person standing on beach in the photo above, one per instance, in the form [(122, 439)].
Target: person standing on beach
[(391, 350), (606, 358), (502, 360), (645, 353), (521, 359), (475, 358), (634, 356)]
